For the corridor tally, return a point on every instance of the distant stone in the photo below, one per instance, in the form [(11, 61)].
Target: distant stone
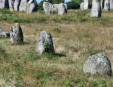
[(62, 9), (16, 4), (11, 5), (4, 34), (3, 4), (31, 8), (98, 63), (102, 4), (111, 4), (47, 7), (45, 43), (82, 6), (16, 34), (96, 9), (107, 5), (23, 5), (86, 4)]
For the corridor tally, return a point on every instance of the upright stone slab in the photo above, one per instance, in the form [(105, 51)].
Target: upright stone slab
[(16, 34), (23, 5), (47, 7), (31, 8), (11, 5), (97, 64), (16, 5), (107, 5), (82, 6), (102, 4), (61, 9), (4, 34), (45, 43), (96, 9), (3, 4), (86, 4), (111, 4)]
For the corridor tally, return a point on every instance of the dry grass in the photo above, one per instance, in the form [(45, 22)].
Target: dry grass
[(74, 37)]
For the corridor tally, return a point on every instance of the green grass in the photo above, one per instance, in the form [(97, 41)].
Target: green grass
[(75, 37)]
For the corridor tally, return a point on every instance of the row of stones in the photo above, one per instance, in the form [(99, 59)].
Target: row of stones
[(97, 6), (96, 63), (18, 5), (51, 8)]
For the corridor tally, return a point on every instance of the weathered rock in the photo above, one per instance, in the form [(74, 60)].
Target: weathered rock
[(111, 4), (96, 9), (98, 63), (16, 34), (45, 43), (102, 4), (11, 5), (23, 5), (82, 6), (61, 9), (86, 4), (107, 5), (47, 7), (16, 4), (3, 4), (4, 34), (31, 8)]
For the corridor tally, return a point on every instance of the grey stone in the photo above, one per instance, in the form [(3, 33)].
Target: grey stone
[(48, 7), (23, 5), (16, 34), (3, 4), (96, 9), (45, 43), (11, 5), (111, 4), (107, 5), (31, 8), (86, 4), (82, 6), (4, 34), (16, 4), (61, 9), (97, 63)]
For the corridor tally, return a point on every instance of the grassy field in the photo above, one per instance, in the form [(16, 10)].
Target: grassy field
[(75, 36)]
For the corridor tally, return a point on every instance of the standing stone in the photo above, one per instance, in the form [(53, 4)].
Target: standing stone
[(98, 63), (96, 9), (11, 5), (3, 4), (86, 4), (82, 6), (102, 4), (23, 5), (16, 5), (45, 43), (16, 34), (47, 7), (111, 4), (4, 34), (61, 9), (31, 8), (107, 5)]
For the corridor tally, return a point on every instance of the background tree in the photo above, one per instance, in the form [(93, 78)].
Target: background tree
[(74, 4)]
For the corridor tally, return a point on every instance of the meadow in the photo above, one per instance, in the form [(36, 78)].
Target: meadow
[(75, 37)]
